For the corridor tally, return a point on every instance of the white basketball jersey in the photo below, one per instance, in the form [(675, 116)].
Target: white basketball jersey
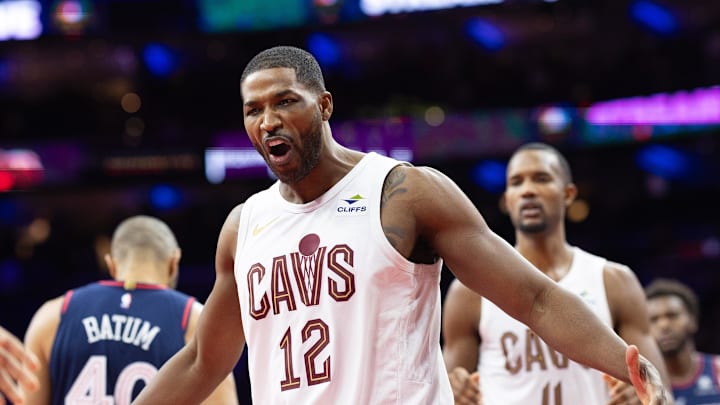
[(518, 368), (332, 313)]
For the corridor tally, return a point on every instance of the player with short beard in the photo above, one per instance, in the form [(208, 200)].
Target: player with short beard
[(515, 366)]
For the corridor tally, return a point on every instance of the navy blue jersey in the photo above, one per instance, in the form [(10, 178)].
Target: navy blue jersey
[(111, 341), (703, 388)]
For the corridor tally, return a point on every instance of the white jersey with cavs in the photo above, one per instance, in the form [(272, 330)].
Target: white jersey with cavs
[(332, 313), (518, 368)]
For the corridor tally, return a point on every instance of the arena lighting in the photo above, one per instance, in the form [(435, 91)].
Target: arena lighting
[(665, 162), (490, 175), (20, 19), (485, 33), (654, 17), (325, 48), (165, 197), (72, 16), (219, 160), (20, 168), (246, 162), (700, 106), (160, 59), (379, 7)]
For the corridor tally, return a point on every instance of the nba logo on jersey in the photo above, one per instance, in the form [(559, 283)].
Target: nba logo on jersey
[(353, 206), (126, 300)]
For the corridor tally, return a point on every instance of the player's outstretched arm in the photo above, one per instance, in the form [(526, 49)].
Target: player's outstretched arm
[(490, 266), (196, 370), (39, 338), (17, 367)]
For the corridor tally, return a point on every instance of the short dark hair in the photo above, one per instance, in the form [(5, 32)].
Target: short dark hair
[(307, 69), (564, 165), (664, 287)]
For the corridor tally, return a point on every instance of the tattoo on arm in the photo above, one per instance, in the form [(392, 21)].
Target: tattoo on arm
[(393, 185)]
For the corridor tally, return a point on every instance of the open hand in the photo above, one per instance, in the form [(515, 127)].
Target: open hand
[(645, 378), (16, 368)]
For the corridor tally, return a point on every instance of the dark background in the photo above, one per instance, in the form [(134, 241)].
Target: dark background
[(492, 70)]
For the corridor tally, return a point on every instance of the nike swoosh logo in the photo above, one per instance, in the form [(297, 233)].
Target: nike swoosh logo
[(257, 229)]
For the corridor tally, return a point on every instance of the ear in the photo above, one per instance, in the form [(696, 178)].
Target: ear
[(326, 105), (110, 263), (174, 269), (502, 204), (570, 194)]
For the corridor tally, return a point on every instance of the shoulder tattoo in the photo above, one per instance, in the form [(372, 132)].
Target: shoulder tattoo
[(394, 185)]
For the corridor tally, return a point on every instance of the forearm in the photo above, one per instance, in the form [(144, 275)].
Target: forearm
[(182, 380), (567, 324)]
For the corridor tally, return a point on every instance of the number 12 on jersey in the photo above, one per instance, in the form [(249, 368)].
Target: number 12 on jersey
[(320, 330)]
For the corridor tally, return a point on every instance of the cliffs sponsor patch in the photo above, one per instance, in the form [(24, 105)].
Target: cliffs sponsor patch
[(352, 206)]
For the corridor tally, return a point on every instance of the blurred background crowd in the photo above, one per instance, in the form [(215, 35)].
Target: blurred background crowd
[(110, 108)]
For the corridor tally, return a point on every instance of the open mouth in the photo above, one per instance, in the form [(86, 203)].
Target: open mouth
[(277, 147), (279, 150)]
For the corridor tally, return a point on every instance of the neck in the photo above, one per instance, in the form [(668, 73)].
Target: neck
[(142, 273), (682, 365), (548, 251), (335, 162)]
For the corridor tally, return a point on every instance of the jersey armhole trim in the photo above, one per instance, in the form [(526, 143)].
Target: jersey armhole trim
[(186, 313), (66, 301)]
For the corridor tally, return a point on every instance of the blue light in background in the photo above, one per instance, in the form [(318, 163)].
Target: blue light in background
[(490, 175), (325, 49), (11, 275), (160, 59), (653, 16), (4, 71), (8, 211), (164, 197), (664, 161), (485, 33)]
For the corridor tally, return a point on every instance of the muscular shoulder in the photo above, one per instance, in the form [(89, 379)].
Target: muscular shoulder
[(412, 181), (618, 273), (43, 326), (426, 193)]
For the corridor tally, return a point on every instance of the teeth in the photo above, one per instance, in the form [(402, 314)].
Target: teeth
[(275, 142)]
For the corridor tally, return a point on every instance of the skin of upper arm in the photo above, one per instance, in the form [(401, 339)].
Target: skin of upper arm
[(225, 393), (39, 338), (444, 216), (461, 317), (628, 308), (219, 338)]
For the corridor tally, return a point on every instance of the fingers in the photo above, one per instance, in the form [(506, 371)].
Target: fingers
[(610, 381), (16, 368), (645, 378), (465, 386), (622, 393)]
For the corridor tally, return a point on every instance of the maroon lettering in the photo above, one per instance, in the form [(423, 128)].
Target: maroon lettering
[(281, 288), (346, 254), (255, 276)]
